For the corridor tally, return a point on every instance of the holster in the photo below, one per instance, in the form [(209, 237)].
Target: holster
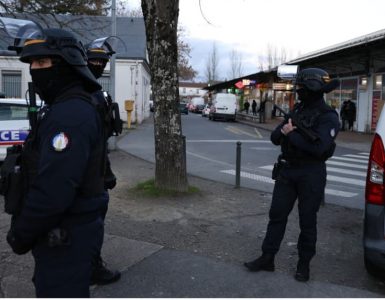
[(12, 181), (277, 169)]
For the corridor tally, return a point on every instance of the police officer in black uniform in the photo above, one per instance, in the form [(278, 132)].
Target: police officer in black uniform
[(301, 170), (98, 54), (62, 162)]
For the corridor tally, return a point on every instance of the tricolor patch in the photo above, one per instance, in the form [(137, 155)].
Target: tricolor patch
[(60, 142)]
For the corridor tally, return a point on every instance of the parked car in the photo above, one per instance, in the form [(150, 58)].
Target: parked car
[(14, 123), (183, 108), (197, 104), (206, 110), (224, 106), (374, 213)]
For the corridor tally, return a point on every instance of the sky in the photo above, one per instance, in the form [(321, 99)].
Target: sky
[(249, 26)]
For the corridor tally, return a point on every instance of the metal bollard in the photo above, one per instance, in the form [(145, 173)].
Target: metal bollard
[(238, 166)]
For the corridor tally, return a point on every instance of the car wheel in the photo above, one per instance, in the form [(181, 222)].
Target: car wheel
[(372, 269)]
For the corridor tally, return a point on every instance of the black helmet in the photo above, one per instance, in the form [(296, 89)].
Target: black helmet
[(63, 44), (316, 80), (101, 48)]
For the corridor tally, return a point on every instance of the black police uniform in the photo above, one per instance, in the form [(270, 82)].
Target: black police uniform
[(62, 163), (301, 170), (303, 176)]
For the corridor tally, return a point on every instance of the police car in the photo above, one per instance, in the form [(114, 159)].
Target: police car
[(14, 123), (374, 215)]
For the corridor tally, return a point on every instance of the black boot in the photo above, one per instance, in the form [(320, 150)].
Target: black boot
[(263, 263), (101, 275), (303, 270)]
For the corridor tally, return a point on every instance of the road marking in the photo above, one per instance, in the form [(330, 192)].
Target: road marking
[(345, 171), (259, 135), (365, 153), (350, 159), (230, 141), (331, 169), (336, 178), (357, 156), (209, 159), (346, 180), (338, 163), (269, 180), (237, 130), (263, 148)]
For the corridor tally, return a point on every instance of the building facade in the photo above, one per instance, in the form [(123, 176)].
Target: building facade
[(132, 72)]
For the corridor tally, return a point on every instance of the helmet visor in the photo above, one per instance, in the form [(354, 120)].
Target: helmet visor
[(110, 45), (21, 31)]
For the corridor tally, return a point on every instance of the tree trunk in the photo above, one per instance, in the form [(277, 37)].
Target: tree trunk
[(161, 21)]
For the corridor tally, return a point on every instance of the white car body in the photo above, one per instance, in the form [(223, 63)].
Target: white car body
[(14, 123), (224, 106)]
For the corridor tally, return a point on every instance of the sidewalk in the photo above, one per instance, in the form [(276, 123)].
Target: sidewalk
[(178, 264), (192, 261)]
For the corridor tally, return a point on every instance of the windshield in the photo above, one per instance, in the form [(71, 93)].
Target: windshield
[(11, 112)]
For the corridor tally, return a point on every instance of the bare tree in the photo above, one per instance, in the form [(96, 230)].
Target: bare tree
[(161, 21), (272, 58), (236, 64), (212, 65)]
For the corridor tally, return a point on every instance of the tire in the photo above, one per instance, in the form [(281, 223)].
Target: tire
[(372, 269)]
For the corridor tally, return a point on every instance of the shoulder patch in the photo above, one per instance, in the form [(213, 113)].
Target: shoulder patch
[(332, 132), (60, 142)]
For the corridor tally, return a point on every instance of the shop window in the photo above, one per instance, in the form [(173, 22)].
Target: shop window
[(377, 82), (363, 83)]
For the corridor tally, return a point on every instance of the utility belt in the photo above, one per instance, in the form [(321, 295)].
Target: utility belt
[(291, 163), (12, 181)]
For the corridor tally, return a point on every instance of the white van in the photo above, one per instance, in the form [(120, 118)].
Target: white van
[(224, 106)]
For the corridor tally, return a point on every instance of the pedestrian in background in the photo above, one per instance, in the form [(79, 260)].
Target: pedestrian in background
[(246, 106), (261, 111), (300, 171), (254, 107), (62, 162), (343, 115), (350, 114)]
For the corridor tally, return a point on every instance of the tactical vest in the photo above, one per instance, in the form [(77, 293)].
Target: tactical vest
[(309, 119), (20, 165)]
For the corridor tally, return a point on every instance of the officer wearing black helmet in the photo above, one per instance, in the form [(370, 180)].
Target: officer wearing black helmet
[(63, 161), (98, 55), (301, 170)]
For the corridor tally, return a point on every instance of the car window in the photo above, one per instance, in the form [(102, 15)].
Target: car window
[(11, 112)]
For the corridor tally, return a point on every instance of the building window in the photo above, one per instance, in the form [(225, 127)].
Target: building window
[(105, 82), (11, 83), (184, 90)]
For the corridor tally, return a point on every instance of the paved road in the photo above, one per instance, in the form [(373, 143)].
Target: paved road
[(211, 154)]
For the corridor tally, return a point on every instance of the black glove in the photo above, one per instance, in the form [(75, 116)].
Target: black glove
[(17, 246), (16, 243)]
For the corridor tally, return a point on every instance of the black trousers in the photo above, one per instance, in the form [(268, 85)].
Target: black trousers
[(65, 271), (307, 184)]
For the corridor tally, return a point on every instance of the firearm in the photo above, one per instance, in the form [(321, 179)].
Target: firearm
[(32, 107), (305, 132)]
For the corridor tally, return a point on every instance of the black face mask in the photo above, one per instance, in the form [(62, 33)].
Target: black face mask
[(97, 70), (308, 97), (49, 82)]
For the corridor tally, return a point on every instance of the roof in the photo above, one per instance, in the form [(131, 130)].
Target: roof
[(87, 28), (198, 85), (358, 56), (260, 77)]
